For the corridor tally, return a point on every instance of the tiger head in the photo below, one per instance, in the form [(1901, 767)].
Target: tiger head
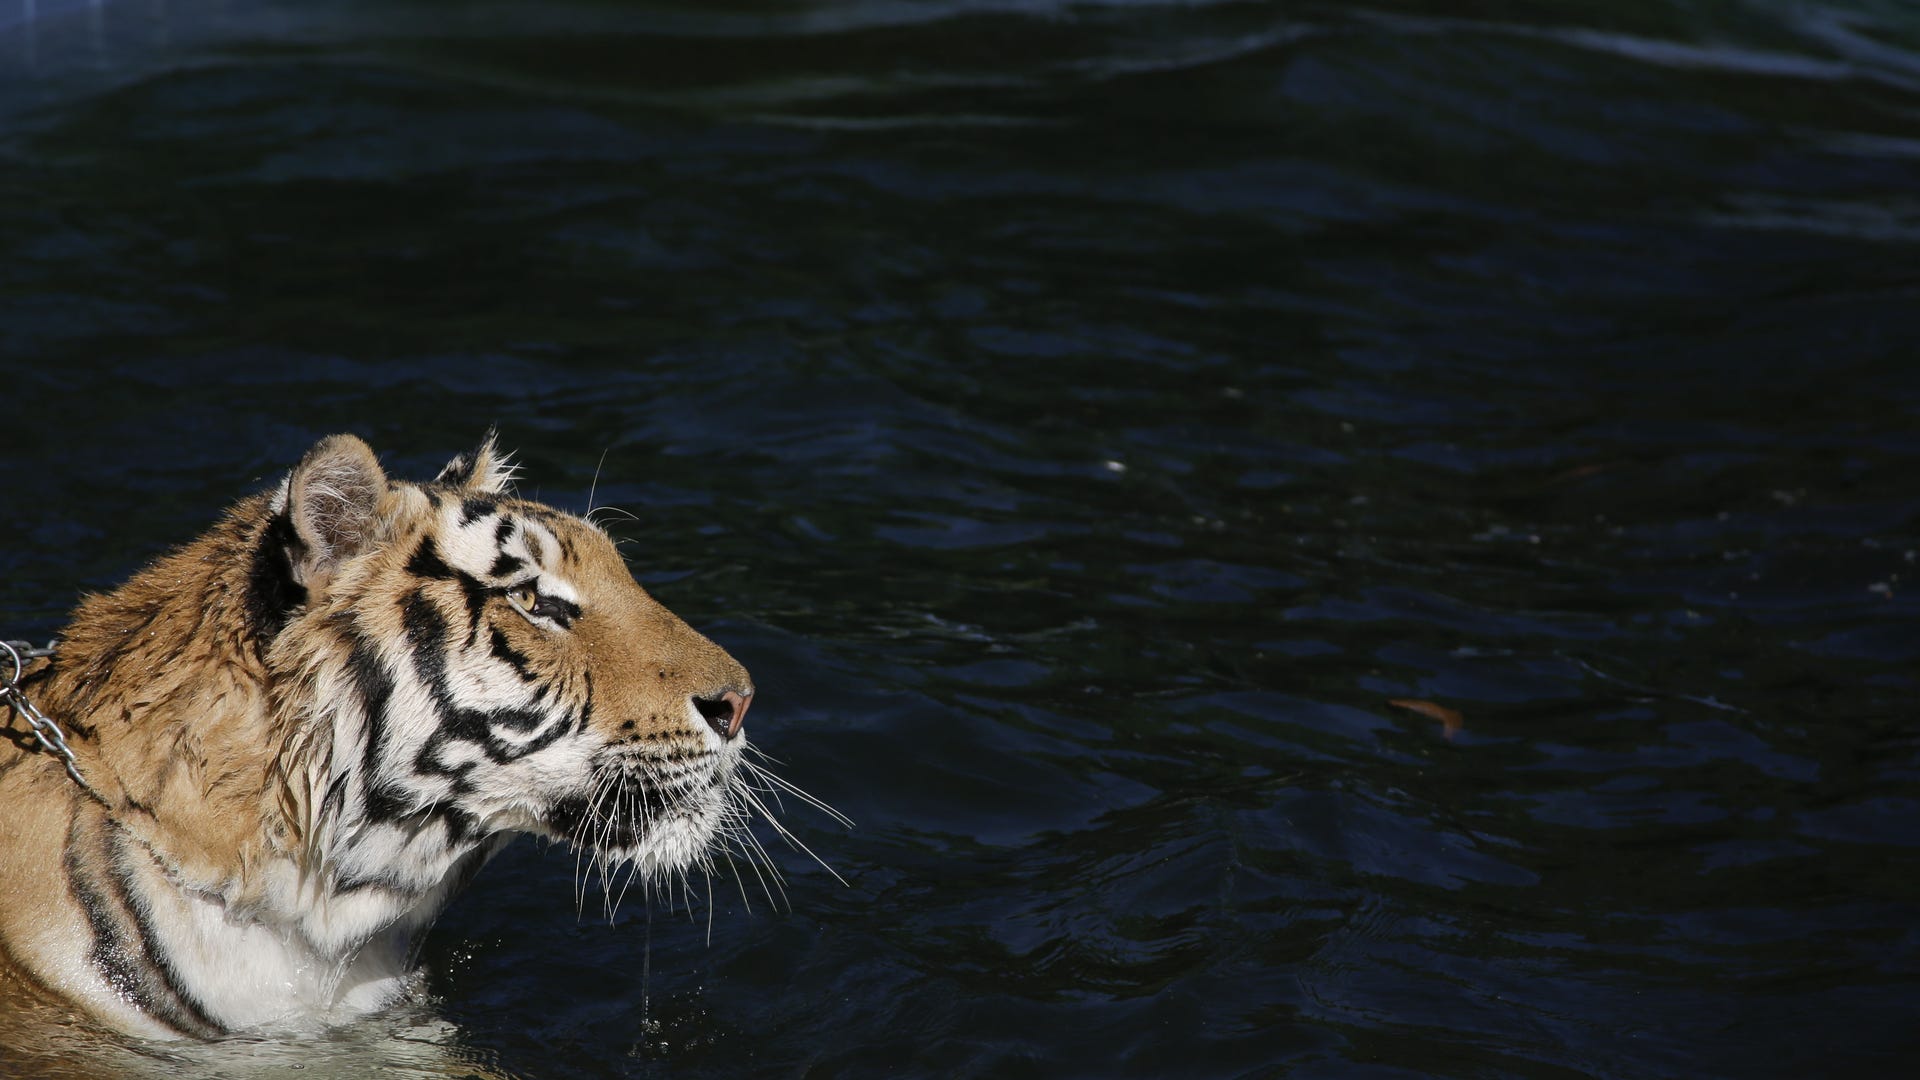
[(293, 739), (459, 665)]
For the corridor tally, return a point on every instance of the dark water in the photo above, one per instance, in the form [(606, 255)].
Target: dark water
[(1084, 419)]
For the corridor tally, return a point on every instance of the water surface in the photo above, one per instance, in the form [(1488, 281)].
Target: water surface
[(1085, 419)]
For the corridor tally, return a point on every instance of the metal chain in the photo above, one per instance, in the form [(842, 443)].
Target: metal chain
[(44, 729)]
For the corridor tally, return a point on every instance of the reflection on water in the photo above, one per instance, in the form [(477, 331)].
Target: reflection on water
[(1085, 419), (409, 1043)]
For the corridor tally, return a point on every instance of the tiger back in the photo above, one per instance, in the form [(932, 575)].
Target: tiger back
[(303, 732)]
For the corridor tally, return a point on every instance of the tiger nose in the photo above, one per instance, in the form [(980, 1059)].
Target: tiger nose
[(725, 713)]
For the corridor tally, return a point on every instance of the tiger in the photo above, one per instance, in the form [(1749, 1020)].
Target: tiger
[(297, 737)]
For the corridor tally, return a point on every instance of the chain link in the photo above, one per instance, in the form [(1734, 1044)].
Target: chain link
[(44, 729)]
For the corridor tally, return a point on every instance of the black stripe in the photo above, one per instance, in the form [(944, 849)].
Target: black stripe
[(427, 563), (503, 532), (476, 727), (466, 725), (385, 804), (461, 826), (513, 719), (476, 595), (346, 886), (107, 953), (504, 652), (586, 707), (272, 594), (502, 751), (426, 631), (375, 688), (388, 805), (505, 564), (336, 795), (472, 510), (181, 1005), (124, 949), (427, 762)]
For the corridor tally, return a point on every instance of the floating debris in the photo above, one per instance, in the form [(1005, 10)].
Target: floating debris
[(1450, 719)]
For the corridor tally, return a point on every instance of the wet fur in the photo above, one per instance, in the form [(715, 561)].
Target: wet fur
[(308, 728)]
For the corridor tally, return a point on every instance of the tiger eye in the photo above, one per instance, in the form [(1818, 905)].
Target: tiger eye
[(524, 597)]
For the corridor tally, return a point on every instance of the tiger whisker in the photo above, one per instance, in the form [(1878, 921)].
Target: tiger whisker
[(760, 849), (757, 857), (797, 792), (787, 834), (595, 783), (595, 485), (739, 880)]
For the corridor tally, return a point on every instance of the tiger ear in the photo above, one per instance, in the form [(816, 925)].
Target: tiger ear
[(332, 499), (485, 471)]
